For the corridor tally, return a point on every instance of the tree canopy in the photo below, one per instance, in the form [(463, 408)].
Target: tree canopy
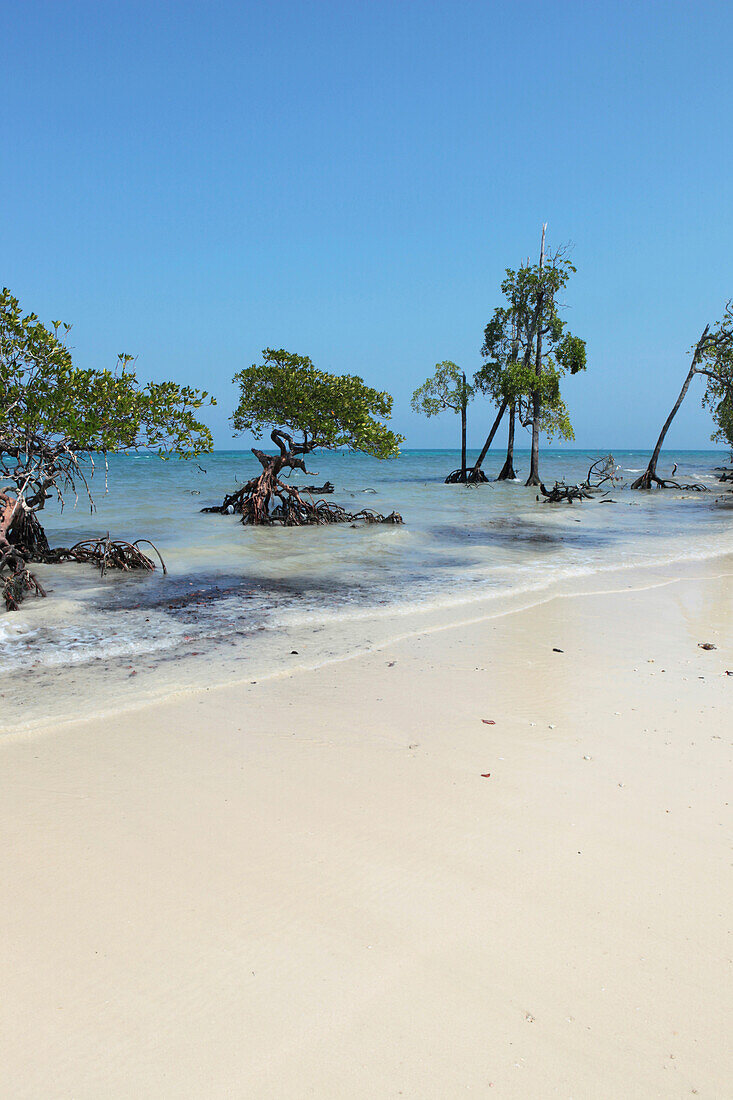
[(716, 363), (287, 394), (509, 371), (445, 389), (712, 356), (54, 417)]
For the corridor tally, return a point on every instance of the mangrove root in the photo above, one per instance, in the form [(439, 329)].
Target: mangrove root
[(268, 502), (18, 582), (649, 479), (467, 475), (107, 554)]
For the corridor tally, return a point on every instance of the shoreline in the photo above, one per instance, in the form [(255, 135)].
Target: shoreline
[(345, 882), (215, 670)]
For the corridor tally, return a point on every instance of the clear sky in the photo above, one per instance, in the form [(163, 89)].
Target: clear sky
[(191, 182)]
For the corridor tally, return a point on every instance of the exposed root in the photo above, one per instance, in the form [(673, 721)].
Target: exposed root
[(467, 475), (107, 554), (18, 582), (268, 502), (649, 479)]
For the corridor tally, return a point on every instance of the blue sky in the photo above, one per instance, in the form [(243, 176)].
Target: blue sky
[(191, 182)]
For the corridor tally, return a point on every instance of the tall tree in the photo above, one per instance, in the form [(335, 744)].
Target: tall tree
[(288, 396), (712, 356), (499, 378), (555, 351), (527, 350), (446, 388), (57, 421)]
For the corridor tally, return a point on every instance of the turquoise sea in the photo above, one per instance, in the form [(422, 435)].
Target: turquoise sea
[(236, 597)]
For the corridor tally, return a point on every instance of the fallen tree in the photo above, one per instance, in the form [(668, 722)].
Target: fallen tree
[(604, 471), (58, 423), (560, 492), (286, 394), (603, 474)]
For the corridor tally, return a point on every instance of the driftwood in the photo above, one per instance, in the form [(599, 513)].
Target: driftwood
[(327, 487), (561, 492), (603, 471)]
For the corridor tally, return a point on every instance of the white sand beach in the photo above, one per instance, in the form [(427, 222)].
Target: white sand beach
[(347, 883)]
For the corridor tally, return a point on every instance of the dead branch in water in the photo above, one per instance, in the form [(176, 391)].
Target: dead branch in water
[(327, 487), (560, 492), (602, 471)]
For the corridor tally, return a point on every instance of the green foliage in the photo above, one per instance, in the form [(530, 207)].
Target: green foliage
[(43, 394), (54, 416), (286, 391), (510, 342), (445, 389), (716, 363)]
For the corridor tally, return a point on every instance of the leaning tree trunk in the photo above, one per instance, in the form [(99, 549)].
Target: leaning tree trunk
[(534, 466), (650, 477), (464, 403), (489, 440), (507, 470)]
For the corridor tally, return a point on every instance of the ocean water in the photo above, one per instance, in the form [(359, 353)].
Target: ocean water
[(237, 601)]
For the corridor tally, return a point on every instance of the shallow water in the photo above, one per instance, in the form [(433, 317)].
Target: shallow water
[(235, 598)]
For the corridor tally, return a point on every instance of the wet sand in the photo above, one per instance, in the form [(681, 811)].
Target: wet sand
[(463, 863)]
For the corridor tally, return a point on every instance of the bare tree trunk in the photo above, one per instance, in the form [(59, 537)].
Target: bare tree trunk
[(464, 402), (534, 466), (490, 437), (649, 476), (507, 470), (9, 506)]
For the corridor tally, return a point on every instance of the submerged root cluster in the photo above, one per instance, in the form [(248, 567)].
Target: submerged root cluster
[(467, 475), (16, 580), (277, 504), (107, 553)]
